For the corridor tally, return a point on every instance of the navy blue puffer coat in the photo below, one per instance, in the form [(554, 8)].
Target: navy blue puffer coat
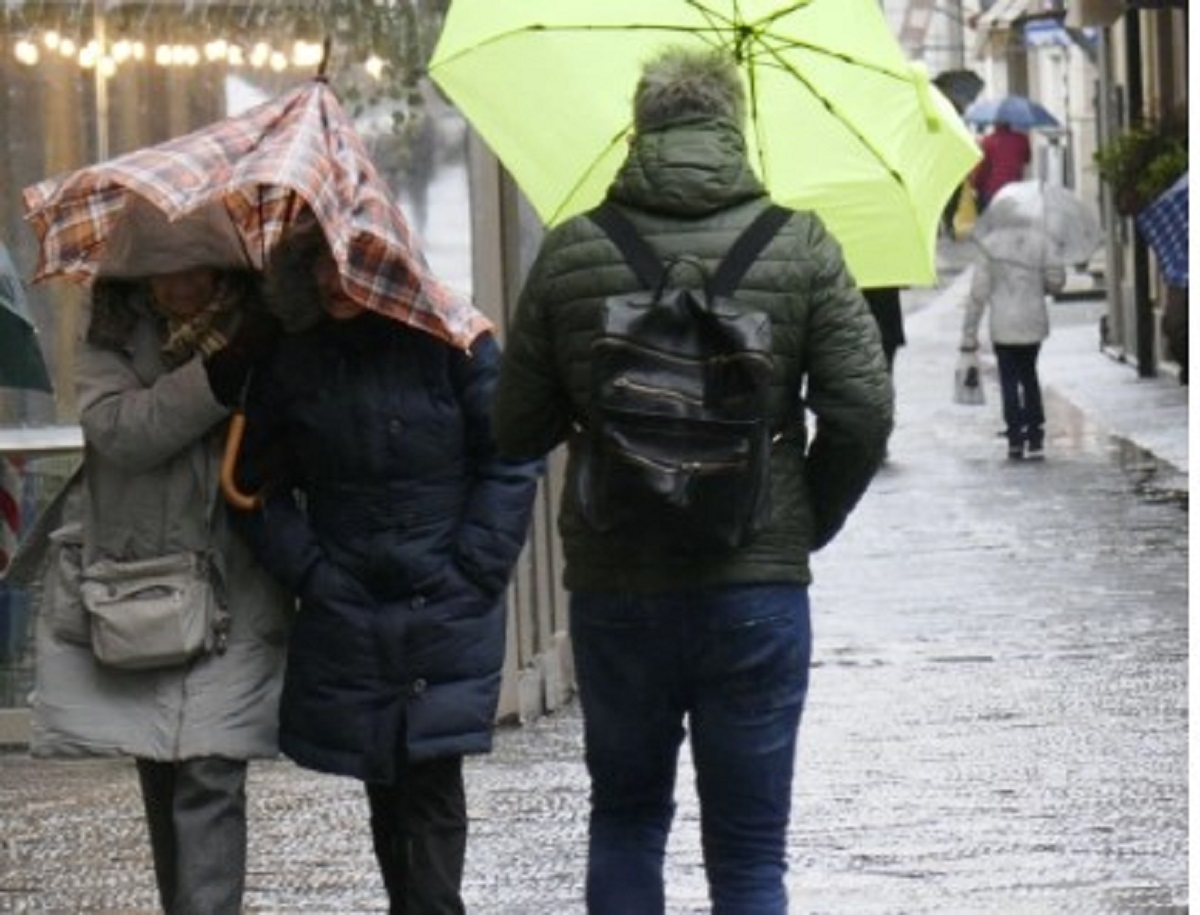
[(390, 514)]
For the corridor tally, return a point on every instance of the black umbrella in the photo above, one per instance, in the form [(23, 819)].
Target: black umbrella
[(960, 86), (21, 361)]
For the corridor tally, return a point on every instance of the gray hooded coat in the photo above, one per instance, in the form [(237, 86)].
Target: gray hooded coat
[(153, 440)]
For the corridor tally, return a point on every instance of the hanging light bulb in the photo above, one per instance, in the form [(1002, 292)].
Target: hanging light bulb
[(306, 54), (26, 52), (260, 54)]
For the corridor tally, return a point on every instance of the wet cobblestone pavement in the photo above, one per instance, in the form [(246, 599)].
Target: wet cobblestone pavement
[(997, 722)]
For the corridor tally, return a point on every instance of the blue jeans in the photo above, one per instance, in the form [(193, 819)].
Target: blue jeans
[(732, 663), (1021, 393)]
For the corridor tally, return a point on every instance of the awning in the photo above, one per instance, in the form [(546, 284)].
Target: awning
[(1043, 32), (1004, 17), (1001, 15), (1006, 14)]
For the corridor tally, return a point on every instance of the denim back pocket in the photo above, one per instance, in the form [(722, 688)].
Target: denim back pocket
[(759, 645)]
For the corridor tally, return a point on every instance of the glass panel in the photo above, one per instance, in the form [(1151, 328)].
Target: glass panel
[(83, 81)]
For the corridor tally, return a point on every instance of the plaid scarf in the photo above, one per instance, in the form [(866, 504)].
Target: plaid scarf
[(206, 331), (118, 304)]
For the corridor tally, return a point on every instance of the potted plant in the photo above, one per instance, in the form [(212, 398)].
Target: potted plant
[(1142, 162)]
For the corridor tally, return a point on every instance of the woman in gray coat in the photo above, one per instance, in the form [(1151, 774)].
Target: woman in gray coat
[(162, 360)]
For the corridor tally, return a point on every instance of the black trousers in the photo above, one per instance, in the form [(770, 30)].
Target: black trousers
[(1021, 393), (196, 813), (419, 829)]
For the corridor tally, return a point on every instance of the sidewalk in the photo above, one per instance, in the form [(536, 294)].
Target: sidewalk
[(997, 717)]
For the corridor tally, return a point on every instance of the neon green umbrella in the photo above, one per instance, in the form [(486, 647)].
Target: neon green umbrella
[(840, 122)]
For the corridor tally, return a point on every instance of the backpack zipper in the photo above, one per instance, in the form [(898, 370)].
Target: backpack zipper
[(766, 360), (709, 467)]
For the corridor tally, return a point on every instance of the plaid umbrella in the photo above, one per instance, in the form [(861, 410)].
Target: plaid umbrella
[(233, 188), (1164, 224)]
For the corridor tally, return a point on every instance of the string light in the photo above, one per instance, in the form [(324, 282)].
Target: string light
[(107, 58), (26, 52)]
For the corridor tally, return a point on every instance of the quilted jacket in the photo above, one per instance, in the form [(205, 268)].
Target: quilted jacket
[(690, 190), (400, 546)]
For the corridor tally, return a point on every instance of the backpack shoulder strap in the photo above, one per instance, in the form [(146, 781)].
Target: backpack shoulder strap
[(635, 249), (747, 247)]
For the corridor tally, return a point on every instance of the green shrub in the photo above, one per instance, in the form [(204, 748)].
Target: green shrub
[(1142, 162)]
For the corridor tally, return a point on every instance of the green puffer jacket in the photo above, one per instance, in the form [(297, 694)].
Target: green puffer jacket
[(690, 190)]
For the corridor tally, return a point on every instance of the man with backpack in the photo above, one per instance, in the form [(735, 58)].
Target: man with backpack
[(676, 338)]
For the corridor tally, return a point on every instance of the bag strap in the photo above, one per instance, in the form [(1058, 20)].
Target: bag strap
[(747, 247), (649, 267), (629, 241)]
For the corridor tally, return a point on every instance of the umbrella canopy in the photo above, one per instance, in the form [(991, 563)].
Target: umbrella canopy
[(1016, 111), (21, 362), (962, 87), (1031, 222), (1164, 223), (840, 122), (226, 194)]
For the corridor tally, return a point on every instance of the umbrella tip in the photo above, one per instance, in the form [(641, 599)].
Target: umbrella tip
[(322, 67)]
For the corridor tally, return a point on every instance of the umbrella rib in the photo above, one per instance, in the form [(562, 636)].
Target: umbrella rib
[(780, 43), (715, 15), (618, 137), (540, 27), (774, 53)]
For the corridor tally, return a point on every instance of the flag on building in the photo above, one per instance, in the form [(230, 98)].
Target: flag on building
[(10, 510), (1164, 225)]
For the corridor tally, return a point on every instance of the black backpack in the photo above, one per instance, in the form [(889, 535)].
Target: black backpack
[(677, 443)]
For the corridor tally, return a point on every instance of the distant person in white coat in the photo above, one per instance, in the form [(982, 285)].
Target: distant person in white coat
[(1015, 291)]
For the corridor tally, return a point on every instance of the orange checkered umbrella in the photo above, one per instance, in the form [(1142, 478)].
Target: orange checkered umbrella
[(235, 187)]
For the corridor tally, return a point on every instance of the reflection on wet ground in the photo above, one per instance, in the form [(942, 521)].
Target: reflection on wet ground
[(997, 722)]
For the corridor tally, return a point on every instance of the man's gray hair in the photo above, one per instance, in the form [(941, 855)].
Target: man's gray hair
[(685, 82)]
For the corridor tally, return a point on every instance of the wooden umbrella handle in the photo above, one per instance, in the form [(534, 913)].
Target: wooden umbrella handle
[(233, 445)]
